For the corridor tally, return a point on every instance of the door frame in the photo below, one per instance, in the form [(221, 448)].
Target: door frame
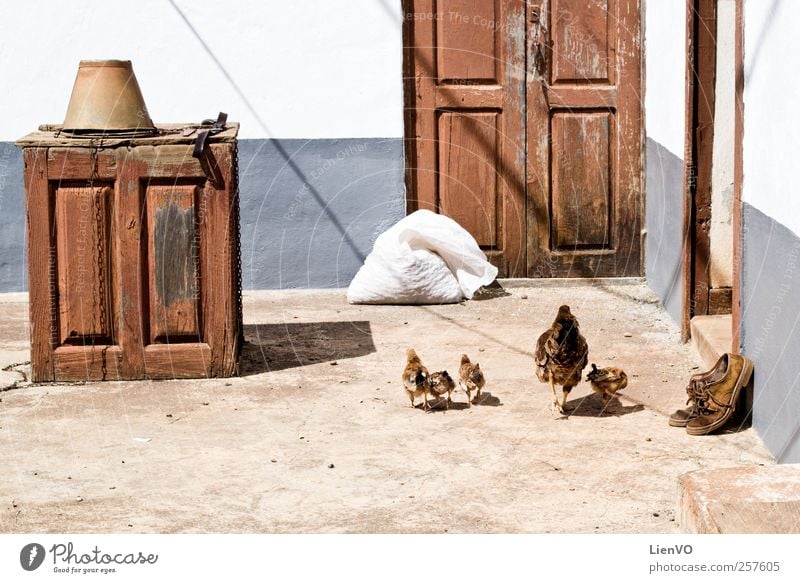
[(700, 78), (409, 110)]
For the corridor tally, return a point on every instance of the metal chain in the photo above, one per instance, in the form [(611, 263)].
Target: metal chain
[(102, 260), (236, 240)]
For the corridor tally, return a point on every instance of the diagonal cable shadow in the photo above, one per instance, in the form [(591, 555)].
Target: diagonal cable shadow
[(278, 146)]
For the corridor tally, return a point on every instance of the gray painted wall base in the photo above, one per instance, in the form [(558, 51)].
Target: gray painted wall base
[(13, 270), (771, 329), (664, 219), (310, 209)]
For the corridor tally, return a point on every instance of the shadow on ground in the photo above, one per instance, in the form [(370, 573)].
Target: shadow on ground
[(490, 292), (273, 347), (593, 406), (486, 400)]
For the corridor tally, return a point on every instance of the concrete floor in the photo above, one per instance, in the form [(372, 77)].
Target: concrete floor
[(318, 436)]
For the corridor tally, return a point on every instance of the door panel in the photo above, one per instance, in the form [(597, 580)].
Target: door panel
[(581, 172), (467, 172), (83, 256), (584, 173), (467, 40), (581, 48), (173, 263), (465, 80)]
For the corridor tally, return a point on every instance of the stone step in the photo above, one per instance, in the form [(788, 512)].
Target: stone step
[(741, 500), (712, 336)]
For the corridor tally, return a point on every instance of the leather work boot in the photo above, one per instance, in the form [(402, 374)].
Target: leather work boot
[(716, 397), (682, 416)]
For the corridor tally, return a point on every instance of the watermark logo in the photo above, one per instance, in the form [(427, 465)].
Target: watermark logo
[(31, 556)]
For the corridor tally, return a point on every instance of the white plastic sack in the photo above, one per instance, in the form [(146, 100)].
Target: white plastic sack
[(425, 258)]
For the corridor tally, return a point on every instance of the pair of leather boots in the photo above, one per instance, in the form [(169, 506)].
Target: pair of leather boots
[(713, 395)]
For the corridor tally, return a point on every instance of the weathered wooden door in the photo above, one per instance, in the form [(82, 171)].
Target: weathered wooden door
[(524, 125), (584, 175), (465, 75)]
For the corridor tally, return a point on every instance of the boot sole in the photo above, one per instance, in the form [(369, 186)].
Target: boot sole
[(741, 382), (679, 422)]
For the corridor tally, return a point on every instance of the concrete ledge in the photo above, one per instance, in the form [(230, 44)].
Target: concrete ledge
[(712, 336), (512, 282), (743, 500), (14, 298)]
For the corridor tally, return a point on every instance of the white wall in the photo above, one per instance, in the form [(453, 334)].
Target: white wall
[(665, 60), (771, 98), (284, 69), (721, 264)]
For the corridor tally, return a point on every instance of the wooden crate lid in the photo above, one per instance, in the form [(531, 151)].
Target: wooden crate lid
[(168, 133)]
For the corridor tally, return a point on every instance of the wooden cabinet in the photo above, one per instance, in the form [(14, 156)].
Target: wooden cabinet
[(133, 256)]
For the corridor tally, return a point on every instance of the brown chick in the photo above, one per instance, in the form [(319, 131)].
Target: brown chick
[(607, 381), (470, 378), (561, 355), (415, 377), (441, 384)]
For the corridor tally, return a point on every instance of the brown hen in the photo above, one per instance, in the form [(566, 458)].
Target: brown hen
[(561, 355)]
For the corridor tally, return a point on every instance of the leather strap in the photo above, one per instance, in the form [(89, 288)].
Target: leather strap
[(208, 127)]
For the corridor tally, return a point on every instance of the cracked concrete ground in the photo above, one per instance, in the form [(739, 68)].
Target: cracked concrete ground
[(317, 435)]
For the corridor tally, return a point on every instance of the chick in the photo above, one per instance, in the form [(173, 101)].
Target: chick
[(470, 378), (415, 377), (561, 355), (607, 381), (441, 383)]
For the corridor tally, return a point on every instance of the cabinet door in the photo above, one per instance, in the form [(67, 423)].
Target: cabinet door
[(179, 243), (72, 264)]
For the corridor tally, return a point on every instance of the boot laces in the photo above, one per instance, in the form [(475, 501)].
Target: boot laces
[(700, 396)]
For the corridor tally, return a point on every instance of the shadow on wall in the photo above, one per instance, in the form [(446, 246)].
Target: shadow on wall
[(771, 329), (273, 347), (311, 224), (330, 225), (664, 219)]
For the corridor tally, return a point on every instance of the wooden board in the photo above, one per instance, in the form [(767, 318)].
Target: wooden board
[(51, 136), (701, 32), (738, 179), (88, 363), (41, 264), (178, 361)]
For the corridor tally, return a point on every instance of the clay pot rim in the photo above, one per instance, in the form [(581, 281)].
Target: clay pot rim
[(89, 63)]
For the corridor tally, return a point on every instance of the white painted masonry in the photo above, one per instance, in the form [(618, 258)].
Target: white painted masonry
[(665, 62), (665, 58), (721, 267), (298, 69), (771, 95)]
